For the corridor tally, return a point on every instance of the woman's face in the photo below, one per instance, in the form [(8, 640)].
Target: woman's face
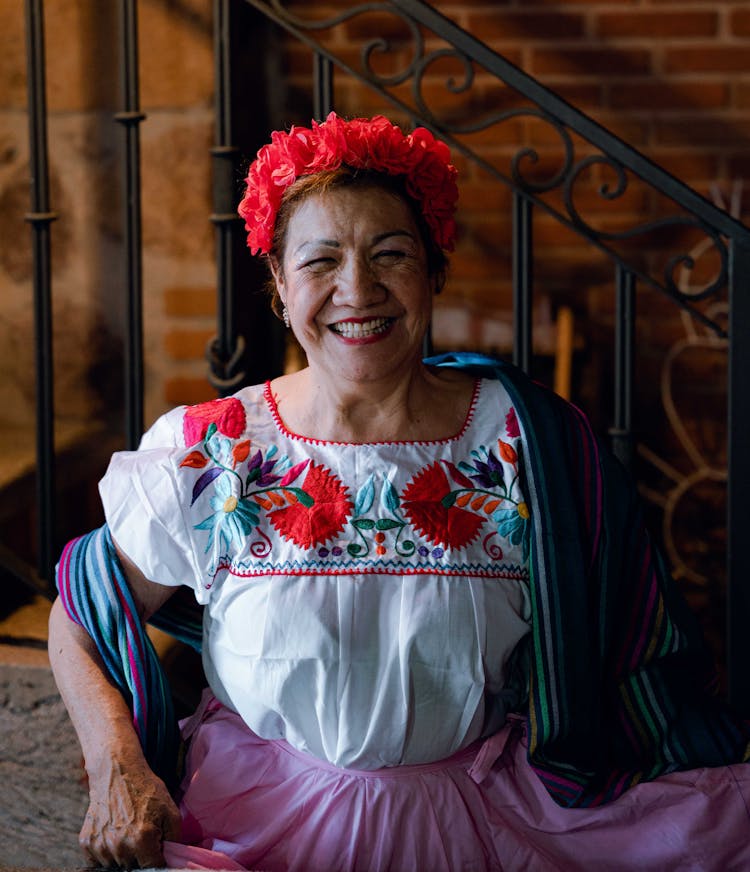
[(354, 279)]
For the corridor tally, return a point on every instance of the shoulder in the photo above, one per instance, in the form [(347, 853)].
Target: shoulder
[(185, 426)]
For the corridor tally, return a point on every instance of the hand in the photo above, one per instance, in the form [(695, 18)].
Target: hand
[(130, 815)]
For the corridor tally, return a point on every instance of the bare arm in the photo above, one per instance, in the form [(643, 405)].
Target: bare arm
[(130, 810)]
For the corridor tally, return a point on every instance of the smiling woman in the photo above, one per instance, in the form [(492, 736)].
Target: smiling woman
[(436, 634)]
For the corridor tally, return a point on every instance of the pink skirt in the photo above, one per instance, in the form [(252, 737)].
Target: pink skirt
[(249, 803)]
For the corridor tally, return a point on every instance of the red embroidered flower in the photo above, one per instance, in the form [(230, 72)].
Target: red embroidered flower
[(511, 424), (375, 144), (449, 526), (228, 414), (316, 524)]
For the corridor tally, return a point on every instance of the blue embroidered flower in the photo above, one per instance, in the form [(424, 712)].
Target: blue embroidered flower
[(233, 518), (513, 525)]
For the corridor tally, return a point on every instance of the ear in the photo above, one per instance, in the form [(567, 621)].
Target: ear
[(278, 276)]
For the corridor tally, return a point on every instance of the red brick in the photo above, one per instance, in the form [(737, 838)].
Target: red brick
[(187, 344), (739, 22), (738, 166), (725, 133), (665, 95), (186, 390), (590, 62), (656, 24), (742, 95), (568, 3), (699, 166), (483, 195), (499, 25), (710, 58), (189, 302), (384, 25)]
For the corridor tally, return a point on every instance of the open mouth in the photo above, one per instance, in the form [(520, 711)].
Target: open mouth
[(361, 329)]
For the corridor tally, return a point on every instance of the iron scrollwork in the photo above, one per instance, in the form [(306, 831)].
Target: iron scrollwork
[(562, 181)]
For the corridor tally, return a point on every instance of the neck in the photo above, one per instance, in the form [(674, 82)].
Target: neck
[(420, 405)]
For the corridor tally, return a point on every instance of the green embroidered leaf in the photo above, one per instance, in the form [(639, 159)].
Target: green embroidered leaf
[(363, 524), (252, 475), (302, 496), (354, 549), (212, 428), (449, 499), (406, 549), (386, 524)]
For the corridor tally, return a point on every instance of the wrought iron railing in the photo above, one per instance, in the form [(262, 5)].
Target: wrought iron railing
[(585, 148)]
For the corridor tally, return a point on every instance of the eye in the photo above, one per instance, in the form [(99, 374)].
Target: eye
[(318, 264), (389, 254)]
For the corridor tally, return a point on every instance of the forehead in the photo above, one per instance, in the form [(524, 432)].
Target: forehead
[(349, 213)]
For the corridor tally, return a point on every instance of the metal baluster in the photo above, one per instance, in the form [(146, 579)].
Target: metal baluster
[(522, 280), (322, 86), (226, 350), (130, 117), (40, 218), (621, 433), (738, 476)]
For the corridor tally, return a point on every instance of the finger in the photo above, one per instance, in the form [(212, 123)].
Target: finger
[(172, 826), (94, 848), (149, 851)]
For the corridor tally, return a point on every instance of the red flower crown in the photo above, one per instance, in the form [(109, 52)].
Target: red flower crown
[(361, 143)]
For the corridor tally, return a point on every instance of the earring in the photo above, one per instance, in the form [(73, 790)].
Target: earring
[(285, 317)]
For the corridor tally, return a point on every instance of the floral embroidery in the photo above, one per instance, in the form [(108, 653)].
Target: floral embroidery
[(317, 522), (242, 487), (494, 497), (436, 518), (443, 507), (228, 414), (390, 501)]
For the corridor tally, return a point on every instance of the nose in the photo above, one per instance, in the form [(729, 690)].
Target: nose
[(357, 285)]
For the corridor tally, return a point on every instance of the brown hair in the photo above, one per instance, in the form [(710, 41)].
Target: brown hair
[(349, 177)]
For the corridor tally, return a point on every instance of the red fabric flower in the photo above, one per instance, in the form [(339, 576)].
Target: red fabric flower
[(449, 526), (367, 143), (316, 524), (228, 414)]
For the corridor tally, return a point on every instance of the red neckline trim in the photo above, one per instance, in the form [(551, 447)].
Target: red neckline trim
[(274, 410)]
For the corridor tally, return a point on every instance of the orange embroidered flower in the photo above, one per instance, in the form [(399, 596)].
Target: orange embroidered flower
[(319, 519), (365, 143)]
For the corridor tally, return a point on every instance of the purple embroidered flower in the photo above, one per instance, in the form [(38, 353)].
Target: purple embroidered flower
[(323, 552), (488, 474), (423, 552)]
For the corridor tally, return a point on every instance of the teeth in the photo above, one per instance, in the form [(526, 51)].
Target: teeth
[(355, 330)]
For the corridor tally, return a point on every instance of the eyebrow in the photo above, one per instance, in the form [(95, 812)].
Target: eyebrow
[(332, 243)]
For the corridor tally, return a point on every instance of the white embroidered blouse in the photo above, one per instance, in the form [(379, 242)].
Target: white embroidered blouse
[(365, 602)]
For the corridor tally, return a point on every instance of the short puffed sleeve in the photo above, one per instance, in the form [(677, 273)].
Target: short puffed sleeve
[(143, 507)]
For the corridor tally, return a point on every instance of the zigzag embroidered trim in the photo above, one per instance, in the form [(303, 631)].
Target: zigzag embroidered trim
[(241, 570), (290, 434)]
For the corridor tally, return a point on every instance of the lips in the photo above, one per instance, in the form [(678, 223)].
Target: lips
[(361, 329)]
